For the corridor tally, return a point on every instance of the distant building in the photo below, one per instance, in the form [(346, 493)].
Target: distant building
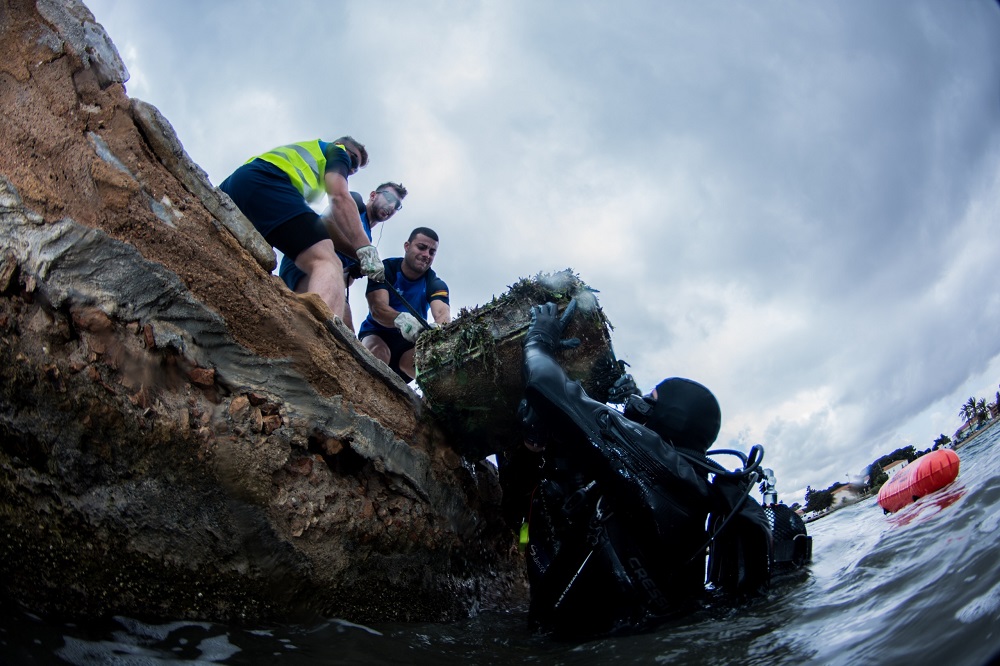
[(894, 467), (964, 431), (844, 494)]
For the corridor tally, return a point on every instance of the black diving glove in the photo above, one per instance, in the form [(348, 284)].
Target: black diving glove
[(623, 387), (547, 327)]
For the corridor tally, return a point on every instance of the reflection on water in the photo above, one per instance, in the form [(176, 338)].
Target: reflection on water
[(921, 586)]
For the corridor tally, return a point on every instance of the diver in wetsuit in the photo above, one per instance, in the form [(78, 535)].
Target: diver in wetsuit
[(617, 504)]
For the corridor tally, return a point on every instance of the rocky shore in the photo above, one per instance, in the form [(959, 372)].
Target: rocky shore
[(178, 435)]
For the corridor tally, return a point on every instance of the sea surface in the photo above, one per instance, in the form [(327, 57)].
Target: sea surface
[(921, 586)]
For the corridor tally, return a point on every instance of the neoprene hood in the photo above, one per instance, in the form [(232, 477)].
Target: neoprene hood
[(686, 413)]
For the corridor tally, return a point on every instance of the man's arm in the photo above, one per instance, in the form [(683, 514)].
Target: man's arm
[(378, 304), (441, 312), (343, 222), (409, 326)]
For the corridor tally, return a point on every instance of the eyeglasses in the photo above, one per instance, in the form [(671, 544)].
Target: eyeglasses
[(391, 198)]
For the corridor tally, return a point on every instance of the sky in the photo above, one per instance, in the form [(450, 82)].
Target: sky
[(794, 203)]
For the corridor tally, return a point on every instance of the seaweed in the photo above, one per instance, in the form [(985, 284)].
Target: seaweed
[(470, 369)]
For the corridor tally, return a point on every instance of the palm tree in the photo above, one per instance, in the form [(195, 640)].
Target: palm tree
[(982, 412), (968, 410)]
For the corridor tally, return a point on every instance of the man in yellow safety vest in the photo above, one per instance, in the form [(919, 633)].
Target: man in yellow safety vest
[(274, 191)]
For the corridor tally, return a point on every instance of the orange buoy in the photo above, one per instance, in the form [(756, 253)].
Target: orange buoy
[(922, 476)]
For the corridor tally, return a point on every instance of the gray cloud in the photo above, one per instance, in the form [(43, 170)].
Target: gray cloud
[(793, 203)]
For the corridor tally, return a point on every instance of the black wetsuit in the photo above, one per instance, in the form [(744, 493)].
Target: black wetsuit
[(617, 517)]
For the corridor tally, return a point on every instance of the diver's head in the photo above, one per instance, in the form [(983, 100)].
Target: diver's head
[(683, 412)]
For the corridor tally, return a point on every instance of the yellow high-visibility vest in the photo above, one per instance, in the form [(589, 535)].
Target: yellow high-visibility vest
[(305, 164)]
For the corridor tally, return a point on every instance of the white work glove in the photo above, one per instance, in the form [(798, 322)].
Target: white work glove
[(409, 326), (371, 265)]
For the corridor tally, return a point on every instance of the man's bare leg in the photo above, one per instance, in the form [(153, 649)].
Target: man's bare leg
[(324, 275), (406, 364), (347, 317), (377, 347)]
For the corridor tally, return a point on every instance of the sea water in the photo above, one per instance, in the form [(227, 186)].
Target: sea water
[(921, 586)]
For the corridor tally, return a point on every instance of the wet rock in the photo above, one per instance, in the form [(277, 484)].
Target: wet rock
[(179, 436)]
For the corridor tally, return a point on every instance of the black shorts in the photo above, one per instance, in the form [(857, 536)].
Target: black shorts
[(298, 234), (397, 345), (266, 196)]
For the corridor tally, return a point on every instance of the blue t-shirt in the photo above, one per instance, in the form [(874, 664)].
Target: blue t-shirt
[(291, 274), (419, 293)]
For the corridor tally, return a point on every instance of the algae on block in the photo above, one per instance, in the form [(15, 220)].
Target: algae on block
[(470, 369)]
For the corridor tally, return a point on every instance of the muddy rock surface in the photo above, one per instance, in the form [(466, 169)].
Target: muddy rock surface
[(178, 435)]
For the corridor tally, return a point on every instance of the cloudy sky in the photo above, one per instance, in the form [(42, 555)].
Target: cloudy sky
[(795, 203)]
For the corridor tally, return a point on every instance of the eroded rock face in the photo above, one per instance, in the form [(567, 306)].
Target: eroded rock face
[(178, 436)]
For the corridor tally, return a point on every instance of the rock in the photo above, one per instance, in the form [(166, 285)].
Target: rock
[(75, 24), (164, 142), (179, 437), (202, 376)]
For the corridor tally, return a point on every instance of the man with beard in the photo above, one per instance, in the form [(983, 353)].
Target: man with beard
[(383, 203), (390, 331)]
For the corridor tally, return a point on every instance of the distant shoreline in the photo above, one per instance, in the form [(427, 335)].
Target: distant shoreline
[(986, 428), (955, 445)]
